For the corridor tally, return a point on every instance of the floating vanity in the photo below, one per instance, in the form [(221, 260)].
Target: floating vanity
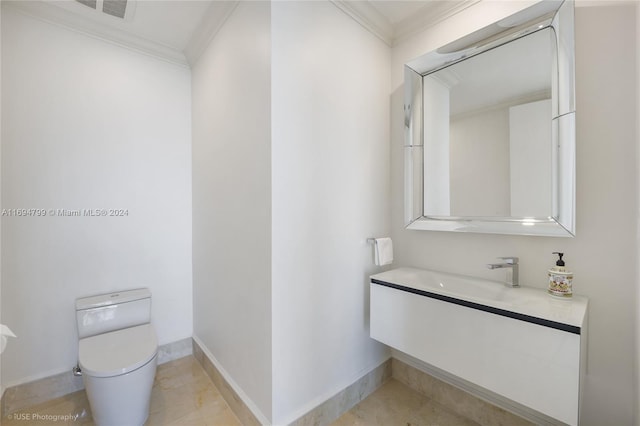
[(519, 343)]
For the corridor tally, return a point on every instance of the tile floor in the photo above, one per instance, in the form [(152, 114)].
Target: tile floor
[(184, 395), (395, 404)]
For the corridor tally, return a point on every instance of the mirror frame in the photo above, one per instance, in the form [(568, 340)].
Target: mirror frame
[(555, 14)]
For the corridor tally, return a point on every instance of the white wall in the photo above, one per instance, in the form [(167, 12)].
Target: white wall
[(604, 253), (480, 172), (436, 154), (290, 176), (330, 183), (637, 323), (530, 151), (232, 201), (89, 125), (1, 378)]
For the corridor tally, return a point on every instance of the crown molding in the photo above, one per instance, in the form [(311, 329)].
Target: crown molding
[(61, 17), (211, 22), (217, 14), (369, 17), (380, 26), (601, 3), (429, 17), (447, 77)]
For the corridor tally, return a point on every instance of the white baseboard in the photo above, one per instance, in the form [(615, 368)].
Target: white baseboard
[(327, 407), (331, 406), (248, 402)]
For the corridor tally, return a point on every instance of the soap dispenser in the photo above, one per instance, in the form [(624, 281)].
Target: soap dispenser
[(560, 280)]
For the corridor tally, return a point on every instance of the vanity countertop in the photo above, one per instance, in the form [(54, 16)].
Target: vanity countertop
[(525, 303)]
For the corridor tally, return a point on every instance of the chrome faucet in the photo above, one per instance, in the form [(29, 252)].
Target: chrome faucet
[(511, 263)]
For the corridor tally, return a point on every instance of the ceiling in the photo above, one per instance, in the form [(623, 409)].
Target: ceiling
[(514, 73), (398, 11), (179, 30)]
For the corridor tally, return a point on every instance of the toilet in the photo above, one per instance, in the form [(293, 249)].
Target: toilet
[(117, 353)]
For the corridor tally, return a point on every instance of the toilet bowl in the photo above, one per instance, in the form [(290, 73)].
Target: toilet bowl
[(117, 355)]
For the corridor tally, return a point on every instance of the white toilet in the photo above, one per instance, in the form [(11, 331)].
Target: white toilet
[(117, 354)]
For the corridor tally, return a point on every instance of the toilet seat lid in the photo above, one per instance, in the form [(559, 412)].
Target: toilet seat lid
[(117, 352)]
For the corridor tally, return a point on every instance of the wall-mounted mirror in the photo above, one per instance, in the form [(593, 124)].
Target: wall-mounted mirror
[(490, 129)]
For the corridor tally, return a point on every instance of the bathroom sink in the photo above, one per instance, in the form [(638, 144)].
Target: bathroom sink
[(459, 285), (486, 294), (520, 346)]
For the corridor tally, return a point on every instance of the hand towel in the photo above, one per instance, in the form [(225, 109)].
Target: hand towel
[(383, 251)]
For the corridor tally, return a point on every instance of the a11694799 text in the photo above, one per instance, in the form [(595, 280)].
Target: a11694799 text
[(65, 212)]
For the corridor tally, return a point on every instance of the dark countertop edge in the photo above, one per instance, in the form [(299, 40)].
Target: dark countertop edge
[(485, 308)]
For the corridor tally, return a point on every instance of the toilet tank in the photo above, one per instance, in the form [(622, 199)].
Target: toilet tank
[(113, 311)]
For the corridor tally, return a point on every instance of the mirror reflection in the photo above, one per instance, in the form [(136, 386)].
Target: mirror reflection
[(489, 124), (488, 142)]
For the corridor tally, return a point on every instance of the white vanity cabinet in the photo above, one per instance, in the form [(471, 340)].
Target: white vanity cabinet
[(519, 343)]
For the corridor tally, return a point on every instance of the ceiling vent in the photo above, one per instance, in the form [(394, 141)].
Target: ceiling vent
[(90, 3), (115, 8)]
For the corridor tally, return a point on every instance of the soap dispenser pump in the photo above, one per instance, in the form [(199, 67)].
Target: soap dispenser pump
[(560, 280)]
